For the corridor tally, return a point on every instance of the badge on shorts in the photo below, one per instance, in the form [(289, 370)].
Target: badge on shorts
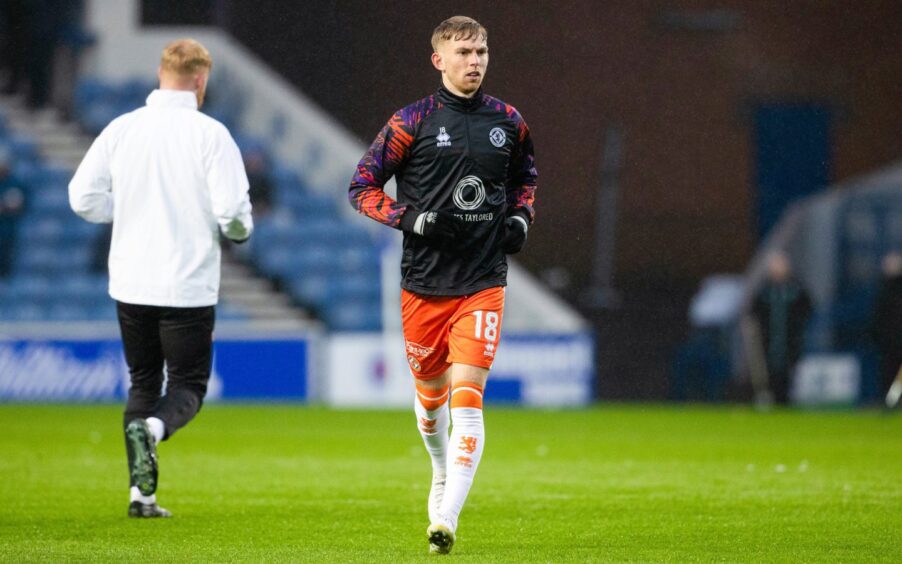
[(413, 363), (497, 136)]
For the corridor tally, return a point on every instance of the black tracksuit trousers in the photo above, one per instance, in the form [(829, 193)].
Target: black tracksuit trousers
[(181, 338)]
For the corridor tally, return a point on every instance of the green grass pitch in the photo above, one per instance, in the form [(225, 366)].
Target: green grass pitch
[(614, 483)]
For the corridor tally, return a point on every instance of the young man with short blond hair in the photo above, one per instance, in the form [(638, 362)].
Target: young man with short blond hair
[(464, 166), (172, 182)]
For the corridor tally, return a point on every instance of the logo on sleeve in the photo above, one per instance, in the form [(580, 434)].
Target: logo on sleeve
[(497, 136), (443, 139)]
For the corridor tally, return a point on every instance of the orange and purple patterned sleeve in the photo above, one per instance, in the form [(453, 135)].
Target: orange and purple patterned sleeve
[(521, 185), (388, 154)]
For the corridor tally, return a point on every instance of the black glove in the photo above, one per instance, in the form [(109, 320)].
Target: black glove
[(434, 224), (515, 228)]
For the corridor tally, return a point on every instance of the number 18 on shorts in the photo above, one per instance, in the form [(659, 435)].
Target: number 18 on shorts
[(440, 330)]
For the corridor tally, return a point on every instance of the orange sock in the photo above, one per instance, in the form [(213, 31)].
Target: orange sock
[(466, 394), (431, 399)]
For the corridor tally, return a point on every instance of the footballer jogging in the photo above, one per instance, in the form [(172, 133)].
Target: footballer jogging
[(464, 166)]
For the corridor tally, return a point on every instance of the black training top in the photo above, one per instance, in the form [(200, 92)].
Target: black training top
[(472, 157)]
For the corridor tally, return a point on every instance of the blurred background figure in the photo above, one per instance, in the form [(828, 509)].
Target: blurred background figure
[(40, 41), (781, 308), (12, 207), (257, 166), (887, 327)]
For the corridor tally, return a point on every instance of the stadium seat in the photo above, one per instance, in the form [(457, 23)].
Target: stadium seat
[(22, 148), (26, 312), (311, 289), (307, 205), (49, 200), (354, 315), (229, 311), (90, 91), (90, 289), (275, 261), (103, 311), (53, 261), (286, 179)]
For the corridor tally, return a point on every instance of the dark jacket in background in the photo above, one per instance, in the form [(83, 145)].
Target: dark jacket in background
[(887, 328), (782, 311)]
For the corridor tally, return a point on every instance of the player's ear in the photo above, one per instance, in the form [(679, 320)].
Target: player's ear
[(437, 62)]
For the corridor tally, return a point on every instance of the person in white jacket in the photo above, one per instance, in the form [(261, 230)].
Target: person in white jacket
[(171, 180)]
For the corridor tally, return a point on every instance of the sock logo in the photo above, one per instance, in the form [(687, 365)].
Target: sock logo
[(464, 461), (468, 444)]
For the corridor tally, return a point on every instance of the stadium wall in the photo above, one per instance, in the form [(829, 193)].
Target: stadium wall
[(86, 364)]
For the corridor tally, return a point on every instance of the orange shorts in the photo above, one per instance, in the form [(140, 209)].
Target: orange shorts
[(440, 330)]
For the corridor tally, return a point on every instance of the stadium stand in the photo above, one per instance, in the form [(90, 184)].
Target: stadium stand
[(52, 276), (304, 246)]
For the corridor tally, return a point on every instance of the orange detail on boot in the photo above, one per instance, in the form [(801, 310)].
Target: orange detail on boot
[(466, 394)]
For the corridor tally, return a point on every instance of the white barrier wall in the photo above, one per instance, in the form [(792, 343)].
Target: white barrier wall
[(548, 370)]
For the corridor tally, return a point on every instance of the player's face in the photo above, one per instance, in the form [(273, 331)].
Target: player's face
[(463, 63)]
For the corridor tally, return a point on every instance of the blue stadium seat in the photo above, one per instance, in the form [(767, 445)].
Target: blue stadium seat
[(103, 311), (26, 171), (359, 287), (286, 179), (26, 312), (275, 261), (358, 258), (23, 148), (51, 260), (248, 143), (307, 205), (133, 93), (313, 258), (229, 311), (323, 231), (49, 200), (67, 311), (87, 289), (354, 315), (54, 177), (311, 289), (90, 91)]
